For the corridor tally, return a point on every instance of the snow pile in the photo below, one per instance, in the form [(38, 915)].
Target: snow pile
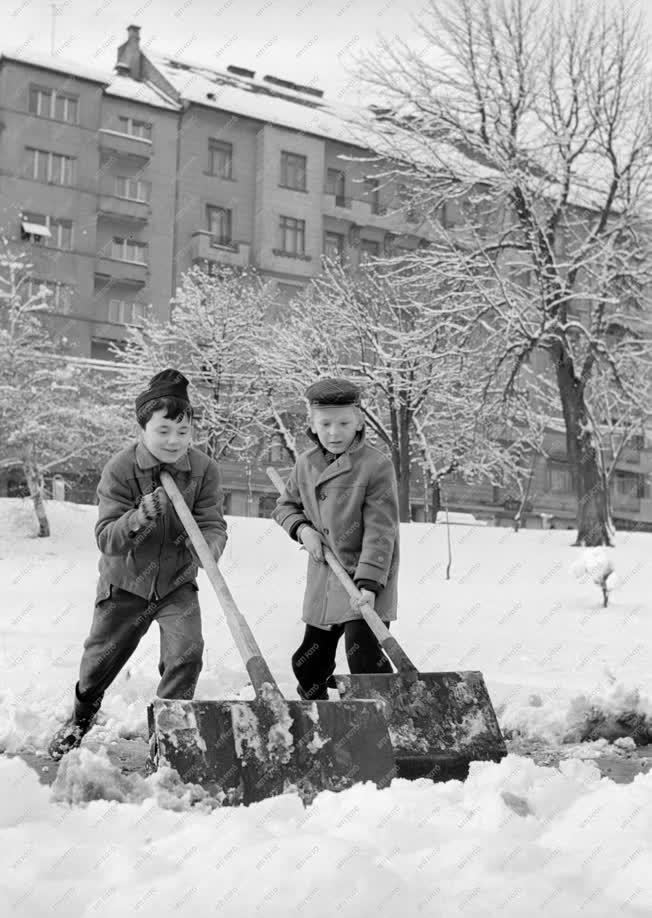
[(513, 839), (611, 711), (509, 610), (85, 776)]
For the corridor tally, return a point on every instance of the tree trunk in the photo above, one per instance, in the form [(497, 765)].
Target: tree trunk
[(401, 459), (405, 510), (594, 526), (435, 505), (35, 484)]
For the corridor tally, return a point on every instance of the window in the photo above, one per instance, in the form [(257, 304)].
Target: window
[(129, 250), (266, 506), (287, 292), (628, 484), (219, 225), (560, 478), (293, 171), (132, 188), (134, 127), (44, 166), (60, 231), (101, 349), (127, 313), (372, 194), (56, 296), (49, 103), (334, 246), (293, 236), (336, 184), (220, 159), (369, 249)]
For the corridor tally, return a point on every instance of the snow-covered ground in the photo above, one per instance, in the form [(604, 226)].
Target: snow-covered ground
[(513, 839)]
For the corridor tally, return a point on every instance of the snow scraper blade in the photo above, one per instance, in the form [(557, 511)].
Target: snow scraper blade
[(438, 723), (246, 751)]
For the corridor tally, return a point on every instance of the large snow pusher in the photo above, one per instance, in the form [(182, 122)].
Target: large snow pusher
[(245, 751), (438, 722)]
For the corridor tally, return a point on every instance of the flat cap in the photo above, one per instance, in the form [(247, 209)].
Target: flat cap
[(333, 391)]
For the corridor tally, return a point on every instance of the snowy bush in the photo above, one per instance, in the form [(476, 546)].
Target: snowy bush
[(597, 565)]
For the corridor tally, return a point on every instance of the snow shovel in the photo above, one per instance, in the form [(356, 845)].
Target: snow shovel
[(246, 751), (438, 722)]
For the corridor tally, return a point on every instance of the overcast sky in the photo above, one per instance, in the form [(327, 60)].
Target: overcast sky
[(308, 41)]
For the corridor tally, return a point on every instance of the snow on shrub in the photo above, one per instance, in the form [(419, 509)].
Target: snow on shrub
[(596, 564)]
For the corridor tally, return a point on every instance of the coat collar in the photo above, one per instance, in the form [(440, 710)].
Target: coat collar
[(146, 460), (337, 466)]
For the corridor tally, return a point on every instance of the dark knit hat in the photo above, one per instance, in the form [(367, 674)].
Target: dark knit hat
[(169, 383), (333, 391)]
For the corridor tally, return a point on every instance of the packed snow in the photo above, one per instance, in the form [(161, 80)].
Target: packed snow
[(515, 838)]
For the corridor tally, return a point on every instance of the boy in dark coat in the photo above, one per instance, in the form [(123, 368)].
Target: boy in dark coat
[(147, 567), (342, 493)]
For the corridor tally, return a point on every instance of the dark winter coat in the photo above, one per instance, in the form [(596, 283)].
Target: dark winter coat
[(353, 503), (155, 560)]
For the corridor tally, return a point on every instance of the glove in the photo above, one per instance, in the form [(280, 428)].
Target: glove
[(152, 506), (366, 597), (311, 541)]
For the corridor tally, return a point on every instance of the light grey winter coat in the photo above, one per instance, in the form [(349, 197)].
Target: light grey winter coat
[(353, 503)]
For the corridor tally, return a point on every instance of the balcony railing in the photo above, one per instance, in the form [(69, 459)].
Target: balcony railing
[(110, 205), (126, 272), (206, 246), (125, 144)]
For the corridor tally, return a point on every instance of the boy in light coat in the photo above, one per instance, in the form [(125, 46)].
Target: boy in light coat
[(342, 493)]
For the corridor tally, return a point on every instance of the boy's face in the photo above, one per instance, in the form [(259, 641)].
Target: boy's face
[(167, 439), (335, 425)]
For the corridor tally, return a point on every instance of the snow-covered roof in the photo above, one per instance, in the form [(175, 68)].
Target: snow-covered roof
[(59, 64), (144, 92), (258, 99)]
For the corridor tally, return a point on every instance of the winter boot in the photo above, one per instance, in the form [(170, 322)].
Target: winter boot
[(70, 735)]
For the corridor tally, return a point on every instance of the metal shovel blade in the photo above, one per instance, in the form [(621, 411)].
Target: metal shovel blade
[(245, 751), (438, 723)]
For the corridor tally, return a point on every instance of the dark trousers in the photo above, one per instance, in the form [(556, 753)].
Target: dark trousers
[(120, 622), (313, 662)]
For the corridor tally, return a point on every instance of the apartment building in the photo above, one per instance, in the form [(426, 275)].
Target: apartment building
[(116, 183)]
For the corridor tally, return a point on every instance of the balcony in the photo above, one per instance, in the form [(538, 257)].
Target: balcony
[(123, 208), (125, 144), (337, 205), (364, 213), (123, 272), (627, 503), (204, 248)]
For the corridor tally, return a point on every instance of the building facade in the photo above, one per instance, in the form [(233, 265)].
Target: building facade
[(116, 183)]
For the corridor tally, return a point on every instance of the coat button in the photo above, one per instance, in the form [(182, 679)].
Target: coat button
[(325, 531), (322, 496)]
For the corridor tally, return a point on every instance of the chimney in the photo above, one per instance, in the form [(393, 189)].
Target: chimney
[(129, 61)]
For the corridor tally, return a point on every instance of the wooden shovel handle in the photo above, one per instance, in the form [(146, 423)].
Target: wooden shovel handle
[(386, 640), (252, 657)]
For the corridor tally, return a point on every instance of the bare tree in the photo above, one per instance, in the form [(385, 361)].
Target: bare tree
[(523, 131), (50, 412), (215, 323), (385, 327)]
